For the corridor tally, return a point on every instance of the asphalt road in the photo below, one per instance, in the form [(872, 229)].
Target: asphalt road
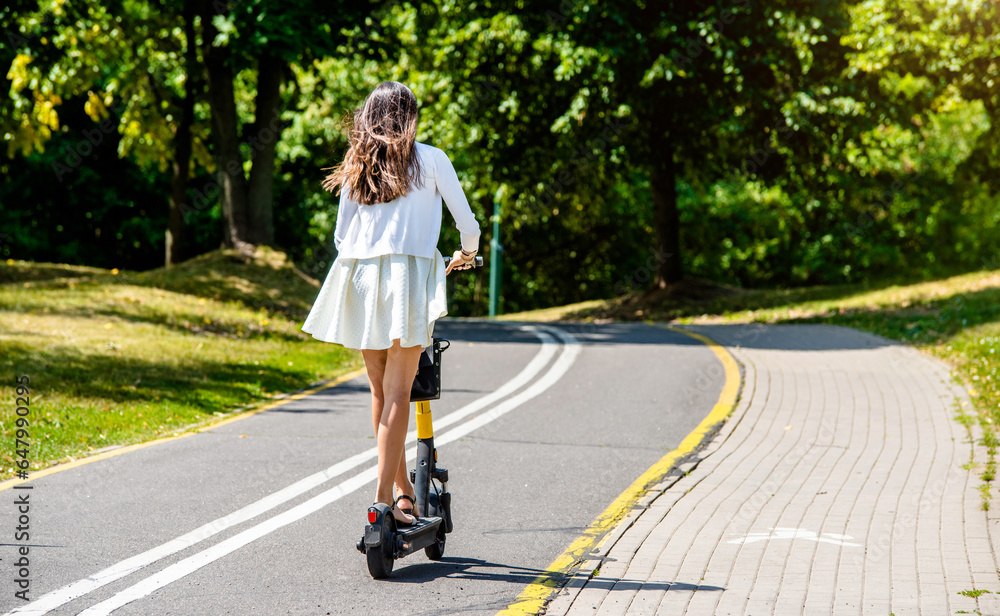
[(260, 516)]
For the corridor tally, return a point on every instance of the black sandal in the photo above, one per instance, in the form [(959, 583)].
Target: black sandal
[(395, 519), (409, 510)]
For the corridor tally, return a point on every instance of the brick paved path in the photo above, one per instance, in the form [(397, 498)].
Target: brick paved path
[(836, 487)]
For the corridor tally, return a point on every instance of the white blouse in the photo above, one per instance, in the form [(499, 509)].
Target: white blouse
[(411, 224)]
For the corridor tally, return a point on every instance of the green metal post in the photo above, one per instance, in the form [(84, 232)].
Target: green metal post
[(496, 252)]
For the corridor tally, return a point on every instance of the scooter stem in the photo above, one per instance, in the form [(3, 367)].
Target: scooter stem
[(425, 456), (425, 428)]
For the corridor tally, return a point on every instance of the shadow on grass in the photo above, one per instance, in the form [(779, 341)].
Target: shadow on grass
[(45, 271), (203, 385), (699, 297), (268, 281), (177, 320)]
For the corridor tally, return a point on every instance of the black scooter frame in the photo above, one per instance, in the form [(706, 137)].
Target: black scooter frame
[(384, 541)]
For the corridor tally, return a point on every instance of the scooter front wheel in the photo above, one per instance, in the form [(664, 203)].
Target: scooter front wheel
[(435, 551), (380, 558)]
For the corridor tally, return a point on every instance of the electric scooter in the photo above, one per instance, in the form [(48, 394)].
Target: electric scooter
[(384, 541)]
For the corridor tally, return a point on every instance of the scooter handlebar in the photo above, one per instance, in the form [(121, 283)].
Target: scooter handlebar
[(477, 262)]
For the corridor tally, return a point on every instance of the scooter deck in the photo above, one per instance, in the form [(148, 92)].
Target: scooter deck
[(419, 535)]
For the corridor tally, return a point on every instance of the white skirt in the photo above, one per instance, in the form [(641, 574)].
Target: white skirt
[(368, 303)]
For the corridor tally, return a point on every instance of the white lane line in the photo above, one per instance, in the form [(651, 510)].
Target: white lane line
[(192, 563), (571, 349), (61, 596), (535, 366)]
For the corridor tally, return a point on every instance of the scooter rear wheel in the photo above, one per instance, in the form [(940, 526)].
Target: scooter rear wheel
[(380, 558)]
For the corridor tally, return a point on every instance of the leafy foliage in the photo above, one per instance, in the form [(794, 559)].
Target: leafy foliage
[(818, 142)]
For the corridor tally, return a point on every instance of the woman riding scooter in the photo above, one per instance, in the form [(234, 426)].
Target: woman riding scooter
[(386, 288)]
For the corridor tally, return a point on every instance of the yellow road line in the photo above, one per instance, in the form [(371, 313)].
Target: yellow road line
[(534, 597), (58, 468)]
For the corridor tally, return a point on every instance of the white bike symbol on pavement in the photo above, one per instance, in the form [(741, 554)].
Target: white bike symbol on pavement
[(796, 533)]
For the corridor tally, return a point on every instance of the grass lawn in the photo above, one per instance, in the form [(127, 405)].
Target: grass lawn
[(956, 319), (118, 357)]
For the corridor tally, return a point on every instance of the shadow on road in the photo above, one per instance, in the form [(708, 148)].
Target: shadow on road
[(508, 332), (478, 570), (464, 569), (801, 337), (806, 337)]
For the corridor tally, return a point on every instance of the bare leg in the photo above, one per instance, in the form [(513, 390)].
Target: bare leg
[(375, 364), (396, 380)]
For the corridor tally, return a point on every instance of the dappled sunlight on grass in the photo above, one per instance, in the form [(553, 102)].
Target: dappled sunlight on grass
[(116, 303), (115, 359), (556, 313), (269, 281)]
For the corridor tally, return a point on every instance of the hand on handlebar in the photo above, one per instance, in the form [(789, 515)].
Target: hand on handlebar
[(460, 262)]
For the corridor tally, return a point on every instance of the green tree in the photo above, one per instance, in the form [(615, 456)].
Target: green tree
[(136, 66), (269, 36), (934, 57), (583, 95), (937, 69), (144, 66)]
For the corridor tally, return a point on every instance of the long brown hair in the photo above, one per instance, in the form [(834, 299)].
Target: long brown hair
[(381, 162)]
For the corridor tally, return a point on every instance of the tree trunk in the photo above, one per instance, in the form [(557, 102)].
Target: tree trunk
[(182, 143), (663, 182), (228, 157), (263, 139)]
